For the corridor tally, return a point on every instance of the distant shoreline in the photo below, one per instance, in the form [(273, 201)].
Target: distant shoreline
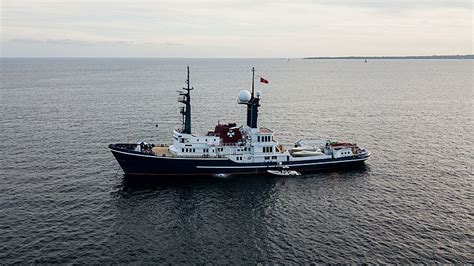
[(469, 56)]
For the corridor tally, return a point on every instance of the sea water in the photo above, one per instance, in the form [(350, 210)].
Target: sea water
[(64, 199)]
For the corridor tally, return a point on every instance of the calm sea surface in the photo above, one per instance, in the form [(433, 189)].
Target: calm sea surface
[(63, 198)]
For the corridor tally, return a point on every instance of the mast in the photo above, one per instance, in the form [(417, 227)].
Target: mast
[(252, 105), (186, 109)]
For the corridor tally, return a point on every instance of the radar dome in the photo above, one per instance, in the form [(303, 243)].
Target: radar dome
[(244, 96), (259, 93)]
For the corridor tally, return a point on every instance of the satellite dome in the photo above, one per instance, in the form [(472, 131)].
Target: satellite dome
[(259, 93), (244, 96)]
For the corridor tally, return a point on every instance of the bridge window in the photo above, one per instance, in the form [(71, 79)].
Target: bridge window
[(267, 149), (267, 157)]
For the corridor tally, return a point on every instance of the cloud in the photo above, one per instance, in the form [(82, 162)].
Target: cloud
[(171, 44), (86, 43), (399, 4), (49, 41), (245, 28)]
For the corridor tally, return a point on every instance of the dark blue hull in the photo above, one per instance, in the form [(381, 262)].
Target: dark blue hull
[(136, 163)]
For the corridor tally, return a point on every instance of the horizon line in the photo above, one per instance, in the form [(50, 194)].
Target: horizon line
[(307, 57)]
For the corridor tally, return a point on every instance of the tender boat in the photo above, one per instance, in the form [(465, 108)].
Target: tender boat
[(284, 171), (232, 149)]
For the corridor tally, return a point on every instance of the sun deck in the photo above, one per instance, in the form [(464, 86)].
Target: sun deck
[(161, 151)]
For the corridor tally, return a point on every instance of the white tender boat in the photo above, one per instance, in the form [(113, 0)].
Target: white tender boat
[(283, 171)]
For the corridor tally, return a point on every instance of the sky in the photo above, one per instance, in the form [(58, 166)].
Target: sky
[(234, 28)]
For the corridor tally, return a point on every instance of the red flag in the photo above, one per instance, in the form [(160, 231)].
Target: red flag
[(263, 80)]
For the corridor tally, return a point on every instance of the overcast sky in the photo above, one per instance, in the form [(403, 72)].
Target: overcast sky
[(234, 28)]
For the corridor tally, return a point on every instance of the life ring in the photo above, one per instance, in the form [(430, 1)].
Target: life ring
[(249, 158)]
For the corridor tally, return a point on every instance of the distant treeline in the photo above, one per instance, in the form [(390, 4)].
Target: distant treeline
[(469, 56)]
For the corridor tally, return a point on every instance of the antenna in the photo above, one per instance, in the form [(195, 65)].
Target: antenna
[(188, 83), (187, 80), (253, 80)]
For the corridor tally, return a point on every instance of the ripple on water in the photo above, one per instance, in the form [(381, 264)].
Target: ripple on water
[(62, 200)]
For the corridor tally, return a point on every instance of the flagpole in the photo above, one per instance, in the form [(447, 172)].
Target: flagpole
[(253, 80)]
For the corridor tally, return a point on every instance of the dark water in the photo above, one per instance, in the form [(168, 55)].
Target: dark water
[(62, 201)]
